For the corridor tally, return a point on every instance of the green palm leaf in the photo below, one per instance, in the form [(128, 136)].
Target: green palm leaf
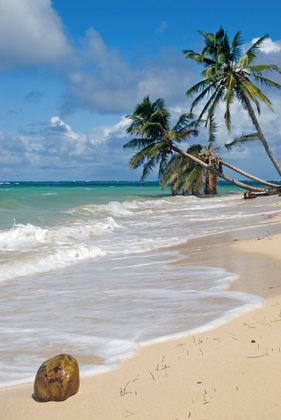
[(244, 138), (234, 74), (195, 179), (150, 123)]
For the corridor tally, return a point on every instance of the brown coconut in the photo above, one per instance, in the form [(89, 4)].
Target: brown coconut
[(57, 379)]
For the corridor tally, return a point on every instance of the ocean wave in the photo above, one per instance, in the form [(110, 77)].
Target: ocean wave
[(32, 263), (151, 205), (30, 235)]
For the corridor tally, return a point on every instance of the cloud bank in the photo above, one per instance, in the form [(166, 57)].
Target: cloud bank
[(53, 149), (31, 34), (97, 79), (106, 83)]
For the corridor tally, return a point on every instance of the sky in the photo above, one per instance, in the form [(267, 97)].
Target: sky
[(70, 72)]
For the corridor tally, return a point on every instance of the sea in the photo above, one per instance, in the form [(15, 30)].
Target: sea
[(85, 270)]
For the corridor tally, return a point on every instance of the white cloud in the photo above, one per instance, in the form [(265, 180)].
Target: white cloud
[(56, 151), (11, 145), (59, 139), (117, 130), (110, 84), (31, 34), (56, 138), (268, 46), (237, 154), (96, 77)]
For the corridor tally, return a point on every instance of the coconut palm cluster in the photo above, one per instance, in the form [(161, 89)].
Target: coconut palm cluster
[(228, 75)]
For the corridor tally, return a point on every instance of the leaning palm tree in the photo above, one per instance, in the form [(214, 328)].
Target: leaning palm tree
[(213, 157), (228, 74), (237, 142), (156, 141), (151, 125), (184, 174)]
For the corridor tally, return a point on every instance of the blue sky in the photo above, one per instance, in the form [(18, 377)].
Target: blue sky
[(71, 70)]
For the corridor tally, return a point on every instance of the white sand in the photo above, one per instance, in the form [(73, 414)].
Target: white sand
[(231, 372)]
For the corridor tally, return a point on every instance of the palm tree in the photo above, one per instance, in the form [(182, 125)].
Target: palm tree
[(228, 74), (211, 159), (151, 125), (184, 174), (156, 141)]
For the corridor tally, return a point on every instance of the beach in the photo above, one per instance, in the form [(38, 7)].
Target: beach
[(230, 371)]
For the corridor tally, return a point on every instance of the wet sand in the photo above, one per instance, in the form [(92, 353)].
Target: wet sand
[(230, 372)]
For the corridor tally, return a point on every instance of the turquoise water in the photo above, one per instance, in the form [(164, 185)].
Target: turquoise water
[(42, 202), (83, 270)]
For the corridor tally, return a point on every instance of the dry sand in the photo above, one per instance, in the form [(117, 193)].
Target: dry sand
[(231, 372)]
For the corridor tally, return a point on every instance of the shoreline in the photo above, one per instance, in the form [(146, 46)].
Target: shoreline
[(160, 381)]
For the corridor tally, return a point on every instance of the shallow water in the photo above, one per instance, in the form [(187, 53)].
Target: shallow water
[(81, 271)]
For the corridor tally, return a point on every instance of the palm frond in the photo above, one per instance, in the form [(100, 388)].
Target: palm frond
[(213, 128), (247, 90), (184, 121), (176, 166), (182, 135), (162, 166), (264, 68), (256, 46), (213, 103), (152, 129), (199, 87), (229, 97), (199, 58), (144, 154), (235, 46), (255, 92), (244, 138), (156, 149), (160, 104), (148, 167), (211, 90), (243, 62), (267, 82), (179, 168), (138, 143), (194, 149), (195, 178)]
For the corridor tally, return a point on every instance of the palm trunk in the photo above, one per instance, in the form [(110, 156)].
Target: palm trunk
[(253, 178), (223, 176), (210, 182), (261, 136)]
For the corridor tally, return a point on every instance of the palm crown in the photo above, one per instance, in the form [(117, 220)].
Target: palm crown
[(154, 137), (229, 74)]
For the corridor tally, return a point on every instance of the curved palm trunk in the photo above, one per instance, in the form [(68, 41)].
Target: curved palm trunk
[(261, 136), (253, 178), (225, 177)]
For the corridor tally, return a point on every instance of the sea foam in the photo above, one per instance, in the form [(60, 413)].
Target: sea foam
[(86, 275)]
